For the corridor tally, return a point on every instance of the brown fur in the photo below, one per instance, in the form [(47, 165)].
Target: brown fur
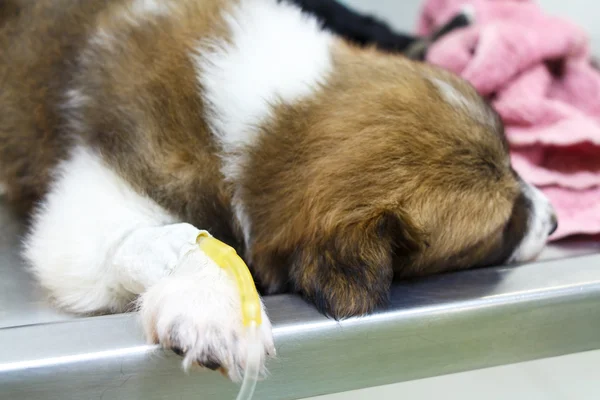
[(144, 114), (374, 175), (37, 44)]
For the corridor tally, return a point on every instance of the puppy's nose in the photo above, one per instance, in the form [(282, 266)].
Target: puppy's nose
[(553, 224)]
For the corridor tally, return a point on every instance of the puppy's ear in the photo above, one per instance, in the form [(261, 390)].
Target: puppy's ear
[(348, 271)]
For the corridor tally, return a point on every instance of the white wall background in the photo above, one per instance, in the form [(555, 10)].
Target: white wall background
[(403, 13)]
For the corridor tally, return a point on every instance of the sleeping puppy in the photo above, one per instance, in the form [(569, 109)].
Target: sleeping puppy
[(128, 126)]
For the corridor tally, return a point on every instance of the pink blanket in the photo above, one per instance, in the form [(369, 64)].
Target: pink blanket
[(536, 71)]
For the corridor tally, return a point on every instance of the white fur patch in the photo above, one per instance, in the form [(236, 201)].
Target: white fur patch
[(540, 224), (102, 38), (457, 99), (275, 54), (451, 94), (75, 99), (150, 7), (85, 216)]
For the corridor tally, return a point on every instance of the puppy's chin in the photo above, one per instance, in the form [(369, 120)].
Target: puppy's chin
[(541, 223)]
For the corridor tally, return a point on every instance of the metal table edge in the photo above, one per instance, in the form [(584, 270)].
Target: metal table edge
[(440, 325)]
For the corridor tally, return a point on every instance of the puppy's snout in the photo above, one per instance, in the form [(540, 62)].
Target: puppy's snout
[(542, 222), (553, 224)]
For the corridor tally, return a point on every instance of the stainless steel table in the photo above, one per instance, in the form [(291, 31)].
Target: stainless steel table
[(440, 325)]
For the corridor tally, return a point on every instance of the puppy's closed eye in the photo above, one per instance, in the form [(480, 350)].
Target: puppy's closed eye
[(348, 271)]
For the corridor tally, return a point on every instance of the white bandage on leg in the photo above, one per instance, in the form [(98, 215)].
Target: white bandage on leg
[(150, 254)]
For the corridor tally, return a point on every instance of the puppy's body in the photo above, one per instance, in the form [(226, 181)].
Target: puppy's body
[(137, 122)]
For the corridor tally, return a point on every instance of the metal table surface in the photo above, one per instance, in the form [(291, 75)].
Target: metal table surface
[(443, 324)]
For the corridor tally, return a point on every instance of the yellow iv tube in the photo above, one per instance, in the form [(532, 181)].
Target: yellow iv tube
[(226, 257)]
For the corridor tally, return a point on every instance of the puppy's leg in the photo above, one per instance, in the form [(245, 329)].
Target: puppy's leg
[(96, 244)]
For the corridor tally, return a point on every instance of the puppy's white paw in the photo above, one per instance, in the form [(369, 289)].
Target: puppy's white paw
[(196, 313)]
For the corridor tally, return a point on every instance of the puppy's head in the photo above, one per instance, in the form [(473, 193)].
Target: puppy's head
[(395, 168)]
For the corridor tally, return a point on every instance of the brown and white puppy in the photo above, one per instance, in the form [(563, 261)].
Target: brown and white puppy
[(134, 123)]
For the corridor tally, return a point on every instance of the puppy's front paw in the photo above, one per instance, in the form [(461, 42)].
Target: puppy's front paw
[(196, 313)]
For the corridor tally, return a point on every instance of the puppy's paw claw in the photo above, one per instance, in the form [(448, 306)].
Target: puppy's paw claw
[(201, 321)]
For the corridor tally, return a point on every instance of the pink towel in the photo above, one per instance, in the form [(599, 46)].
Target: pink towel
[(537, 72)]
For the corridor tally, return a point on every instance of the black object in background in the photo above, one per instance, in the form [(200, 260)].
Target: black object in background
[(368, 30)]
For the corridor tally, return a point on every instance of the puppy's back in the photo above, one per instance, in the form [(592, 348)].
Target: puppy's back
[(122, 54)]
